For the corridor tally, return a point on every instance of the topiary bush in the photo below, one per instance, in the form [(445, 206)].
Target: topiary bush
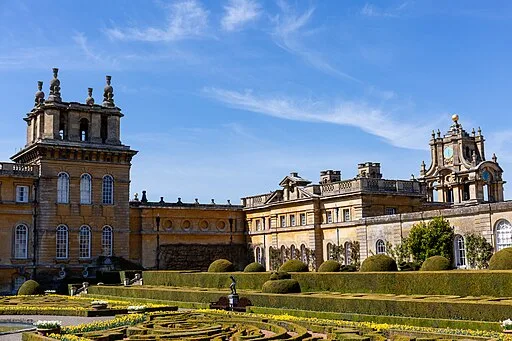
[(409, 266), (501, 260), (30, 287), (348, 268), (329, 266), (293, 265), (279, 275), (254, 267), (281, 286), (436, 263), (221, 265), (378, 263)]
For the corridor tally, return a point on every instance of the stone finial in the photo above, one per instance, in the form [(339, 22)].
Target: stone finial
[(136, 197), (494, 158), (412, 177), (213, 201), (423, 169), (144, 197), (89, 100), (39, 99), (473, 159), (196, 201), (433, 134), (438, 133), (162, 200), (229, 202), (479, 131), (179, 201), (473, 132), (55, 87), (108, 93)]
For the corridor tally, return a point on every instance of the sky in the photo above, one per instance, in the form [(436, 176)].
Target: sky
[(224, 98)]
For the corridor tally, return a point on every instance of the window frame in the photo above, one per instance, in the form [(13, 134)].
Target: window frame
[(110, 245), (62, 229), (84, 251), (390, 210), (106, 197), (63, 188), (503, 231), (345, 212), (292, 220), (328, 217), (282, 220), (16, 249), (86, 192), (380, 247), (459, 251), (25, 198), (303, 221)]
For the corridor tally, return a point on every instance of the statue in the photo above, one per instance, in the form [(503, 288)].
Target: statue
[(232, 286)]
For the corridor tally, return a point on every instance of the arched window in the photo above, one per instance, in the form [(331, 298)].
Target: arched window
[(503, 234), (84, 242), (63, 188), (84, 129), (330, 250), (380, 247), (106, 241), (108, 190), (85, 189), (21, 242), (459, 251), (348, 253), (62, 242), (259, 257), (293, 252), (283, 254), (303, 254)]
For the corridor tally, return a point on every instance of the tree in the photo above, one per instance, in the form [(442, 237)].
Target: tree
[(400, 252), (434, 238), (478, 251)]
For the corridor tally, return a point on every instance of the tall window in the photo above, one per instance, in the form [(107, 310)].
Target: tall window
[(329, 251), (283, 254), (303, 255), (348, 253), (346, 214), (63, 188), (380, 247), (258, 225), (460, 251), (106, 241), (84, 242), (84, 129), (21, 193), (503, 234), (259, 256), (329, 217), (303, 218), (283, 221), (62, 242), (108, 190), (292, 220), (85, 189), (293, 252), (21, 242)]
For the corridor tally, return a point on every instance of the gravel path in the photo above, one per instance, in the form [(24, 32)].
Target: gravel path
[(66, 321)]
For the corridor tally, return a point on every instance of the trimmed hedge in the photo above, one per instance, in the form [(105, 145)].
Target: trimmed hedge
[(244, 280), (376, 305), (254, 267), (281, 286), (30, 287), (221, 265), (293, 265), (329, 266), (379, 263), (501, 260), (436, 263), (280, 275)]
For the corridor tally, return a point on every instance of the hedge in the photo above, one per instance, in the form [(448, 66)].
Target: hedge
[(30, 287), (244, 280), (501, 260), (221, 265), (293, 265), (329, 266), (281, 286), (436, 263), (379, 263), (376, 305), (453, 282), (254, 267)]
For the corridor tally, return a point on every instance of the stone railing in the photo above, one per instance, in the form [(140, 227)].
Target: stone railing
[(18, 169), (372, 185), (257, 200)]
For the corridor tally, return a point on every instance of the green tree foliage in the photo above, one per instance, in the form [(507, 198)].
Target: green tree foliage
[(434, 238), (478, 251), (400, 252)]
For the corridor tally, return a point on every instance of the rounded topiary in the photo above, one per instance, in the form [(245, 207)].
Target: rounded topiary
[(378, 263), (329, 266), (254, 267), (293, 265), (281, 286), (274, 276), (221, 265), (501, 260), (30, 287), (436, 263), (348, 268)]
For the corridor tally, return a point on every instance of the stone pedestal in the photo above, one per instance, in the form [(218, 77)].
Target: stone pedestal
[(233, 300)]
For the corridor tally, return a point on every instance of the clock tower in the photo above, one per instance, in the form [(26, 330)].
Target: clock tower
[(459, 172)]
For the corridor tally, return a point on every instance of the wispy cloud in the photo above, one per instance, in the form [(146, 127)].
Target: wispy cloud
[(357, 114), (238, 13), (185, 19), (371, 10), (288, 34)]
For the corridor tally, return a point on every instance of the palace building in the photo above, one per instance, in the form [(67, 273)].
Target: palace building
[(66, 212)]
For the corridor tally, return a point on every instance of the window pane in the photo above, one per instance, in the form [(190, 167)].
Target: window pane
[(84, 241), (62, 242), (503, 235), (21, 242), (63, 188), (85, 189), (106, 241), (108, 190)]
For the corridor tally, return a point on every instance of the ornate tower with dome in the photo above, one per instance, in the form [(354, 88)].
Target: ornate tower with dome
[(459, 172)]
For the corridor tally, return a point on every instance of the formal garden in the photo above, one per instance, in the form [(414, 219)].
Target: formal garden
[(411, 293)]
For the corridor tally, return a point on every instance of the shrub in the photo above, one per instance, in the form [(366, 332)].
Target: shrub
[(379, 263), (434, 238), (329, 266), (254, 267), (409, 266), (221, 265), (436, 263), (478, 251), (501, 260), (293, 265), (30, 287), (279, 275), (281, 286), (348, 268)]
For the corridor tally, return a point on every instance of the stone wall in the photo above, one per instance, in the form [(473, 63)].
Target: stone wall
[(199, 256)]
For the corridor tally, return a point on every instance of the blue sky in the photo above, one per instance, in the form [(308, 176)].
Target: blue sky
[(224, 98)]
